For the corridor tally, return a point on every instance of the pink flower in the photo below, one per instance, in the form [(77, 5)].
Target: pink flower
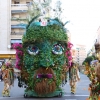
[(17, 45), (68, 53), (69, 44), (19, 54)]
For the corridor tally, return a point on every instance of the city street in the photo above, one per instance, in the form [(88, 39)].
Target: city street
[(81, 94), (40, 40)]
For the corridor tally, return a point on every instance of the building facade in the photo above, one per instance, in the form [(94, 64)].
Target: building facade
[(97, 44), (80, 53), (98, 35), (5, 28), (13, 20)]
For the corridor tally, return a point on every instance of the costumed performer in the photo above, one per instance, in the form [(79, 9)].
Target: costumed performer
[(8, 78), (74, 76)]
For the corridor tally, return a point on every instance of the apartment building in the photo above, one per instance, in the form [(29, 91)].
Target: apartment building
[(19, 9), (13, 20), (98, 35), (97, 44), (80, 53)]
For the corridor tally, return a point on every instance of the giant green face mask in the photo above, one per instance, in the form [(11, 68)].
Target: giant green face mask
[(44, 59)]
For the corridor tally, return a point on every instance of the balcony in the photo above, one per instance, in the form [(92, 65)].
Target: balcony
[(19, 8), (21, 26), (18, 19), (17, 33)]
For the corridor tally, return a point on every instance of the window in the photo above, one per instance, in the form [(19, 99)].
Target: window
[(15, 2), (27, 3)]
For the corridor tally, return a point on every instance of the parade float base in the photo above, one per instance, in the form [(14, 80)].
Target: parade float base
[(33, 94)]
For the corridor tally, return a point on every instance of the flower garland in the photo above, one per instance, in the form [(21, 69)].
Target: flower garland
[(19, 54), (68, 53)]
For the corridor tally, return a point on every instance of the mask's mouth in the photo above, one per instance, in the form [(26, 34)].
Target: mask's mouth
[(45, 76), (45, 81)]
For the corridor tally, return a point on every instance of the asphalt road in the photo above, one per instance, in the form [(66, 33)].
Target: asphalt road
[(81, 94)]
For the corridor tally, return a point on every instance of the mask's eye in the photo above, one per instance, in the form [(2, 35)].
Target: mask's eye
[(33, 50), (57, 49)]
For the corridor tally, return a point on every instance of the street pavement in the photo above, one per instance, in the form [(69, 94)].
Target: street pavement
[(81, 94)]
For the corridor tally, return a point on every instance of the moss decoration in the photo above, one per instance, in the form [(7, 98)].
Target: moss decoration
[(44, 56)]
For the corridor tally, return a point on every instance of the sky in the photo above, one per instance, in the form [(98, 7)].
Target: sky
[(84, 16)]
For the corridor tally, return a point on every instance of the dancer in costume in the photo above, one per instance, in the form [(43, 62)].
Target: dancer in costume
[(95, 83), (93, 73), (8, 77), (73, 77), (6, 91)]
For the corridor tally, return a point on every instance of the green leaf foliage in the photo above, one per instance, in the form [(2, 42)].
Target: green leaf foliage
[(51, 43)]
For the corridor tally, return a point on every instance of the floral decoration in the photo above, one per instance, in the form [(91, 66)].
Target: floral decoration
[(19, 54), (68, 53)]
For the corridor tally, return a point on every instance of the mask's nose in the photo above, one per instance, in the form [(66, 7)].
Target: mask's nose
[(46, 54), (46, 62)]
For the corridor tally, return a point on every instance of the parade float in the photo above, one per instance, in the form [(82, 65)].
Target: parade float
[(43, 58)]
